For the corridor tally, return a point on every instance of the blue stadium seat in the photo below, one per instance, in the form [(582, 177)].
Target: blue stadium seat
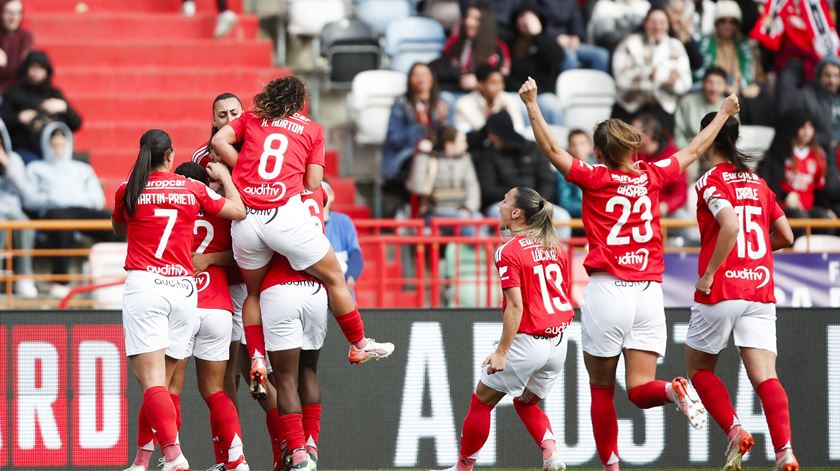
[(378, 14), (414, 39)]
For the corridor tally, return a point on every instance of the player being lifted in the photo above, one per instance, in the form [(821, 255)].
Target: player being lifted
[(157, 210), (740, 225), (623, 310), (282, 155), (533, 271)]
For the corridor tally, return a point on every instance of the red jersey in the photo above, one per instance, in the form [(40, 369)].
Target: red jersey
[(202, 156), (212, 235), (279, 270), (274, 157), (620, 212), (747, 272), (160, 232), (542, 275), (804, 174)]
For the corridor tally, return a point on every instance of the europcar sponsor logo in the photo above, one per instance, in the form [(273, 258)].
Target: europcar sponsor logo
[(759, 273)]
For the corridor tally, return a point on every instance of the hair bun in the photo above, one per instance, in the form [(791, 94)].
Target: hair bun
[(542, 204)]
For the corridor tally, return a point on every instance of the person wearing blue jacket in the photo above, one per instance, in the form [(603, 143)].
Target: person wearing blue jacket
[(345, 242), (569, 195), (13, 187)]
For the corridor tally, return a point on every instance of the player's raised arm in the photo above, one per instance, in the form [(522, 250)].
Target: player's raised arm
[(549, 146), (222, 144), (511, 318), (704, 139)]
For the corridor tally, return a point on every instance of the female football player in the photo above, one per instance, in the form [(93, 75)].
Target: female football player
[(741, 224)]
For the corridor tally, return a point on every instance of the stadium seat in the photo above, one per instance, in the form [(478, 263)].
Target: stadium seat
[(755, 140), (586, 97), (445, 12), (350, 47), (411, 40), (308, 17), (106, 262), (469, 266), (369, 103), (379, 13), (818, 243)]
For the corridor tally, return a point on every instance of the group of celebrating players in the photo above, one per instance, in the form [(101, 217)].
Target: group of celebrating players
[(200, 285)]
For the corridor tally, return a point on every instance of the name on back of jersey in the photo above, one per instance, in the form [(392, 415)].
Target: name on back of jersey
[(538, 252), (284, 123), (166, 198)]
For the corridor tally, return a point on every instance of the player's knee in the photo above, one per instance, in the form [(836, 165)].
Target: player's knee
[(527, 398)]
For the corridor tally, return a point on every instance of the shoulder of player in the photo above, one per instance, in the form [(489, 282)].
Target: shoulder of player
[(200, 153), (508, 249)]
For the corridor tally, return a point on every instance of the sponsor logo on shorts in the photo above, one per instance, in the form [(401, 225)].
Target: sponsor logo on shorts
[(168, 270), (308, 283), (272, 213), (639, 257), (179, 283), (759, 273), (202, 281), (276, 190)]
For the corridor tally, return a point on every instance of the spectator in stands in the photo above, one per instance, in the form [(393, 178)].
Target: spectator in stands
[(535, 53), (820, 100), (683, 29), (657, 145), (445, 179), (489, 98), (474, 45), (613, 20), (569, 195), (701, 15), (795, 167), (32, 104), (64, 188), (414, 117), (13, 187), (651, 71), (344, 240), (224, 23), (15, 44), (693, 106), (510, 160)]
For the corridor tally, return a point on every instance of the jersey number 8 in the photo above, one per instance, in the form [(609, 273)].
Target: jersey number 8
[(275, 146)]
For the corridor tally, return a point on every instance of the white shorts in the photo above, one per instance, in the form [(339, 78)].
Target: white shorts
[(753, 323), (210, 340), (237, 297), (158, 313), (288, 230), (533, 363), (618, 315), (294, 315)]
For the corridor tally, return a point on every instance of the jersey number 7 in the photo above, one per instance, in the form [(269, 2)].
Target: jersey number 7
[(172, 216)]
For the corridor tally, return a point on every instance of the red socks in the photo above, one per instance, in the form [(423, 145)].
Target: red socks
[(176, 401), (225, 423), (255, 340), (651, 394), (476, 428), (311, 424), (160, 415), (291, 429), (604, 422), (272, 422), (776, 411), (145, 436), (352, 326), (537, 424), (715, 397)]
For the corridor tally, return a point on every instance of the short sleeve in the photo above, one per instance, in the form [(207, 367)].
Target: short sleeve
[(210, 201), (316, 155), (238, 125), (585, 175), (118, 215), (508, 267), (710, 193), (776, 211), (666, 170)]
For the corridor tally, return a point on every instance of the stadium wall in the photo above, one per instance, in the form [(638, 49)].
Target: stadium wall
[(69, 404)]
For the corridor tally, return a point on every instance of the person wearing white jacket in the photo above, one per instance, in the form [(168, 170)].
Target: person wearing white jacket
[(64, 188), (652, 71)]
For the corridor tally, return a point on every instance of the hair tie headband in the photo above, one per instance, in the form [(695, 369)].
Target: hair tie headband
[(542, 203)]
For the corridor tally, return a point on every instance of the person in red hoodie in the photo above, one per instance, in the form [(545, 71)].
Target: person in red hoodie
[(15, 43)]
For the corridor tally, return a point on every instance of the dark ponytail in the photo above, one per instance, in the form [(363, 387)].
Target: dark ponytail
[(155, 145), (725, 143)]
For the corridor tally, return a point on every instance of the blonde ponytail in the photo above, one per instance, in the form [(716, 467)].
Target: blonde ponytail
[(539, 214)]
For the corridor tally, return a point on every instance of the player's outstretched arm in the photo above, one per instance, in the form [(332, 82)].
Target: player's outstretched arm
[(727, 237), (222, 143), (704, 139), (781, 236), (549, 146), (511, 319)]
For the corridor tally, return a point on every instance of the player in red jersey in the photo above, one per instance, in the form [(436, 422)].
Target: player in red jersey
[(157, 210), (282, 155), (623, 310), (740, 225), (534, 274), (226, 108), (294, 321)]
